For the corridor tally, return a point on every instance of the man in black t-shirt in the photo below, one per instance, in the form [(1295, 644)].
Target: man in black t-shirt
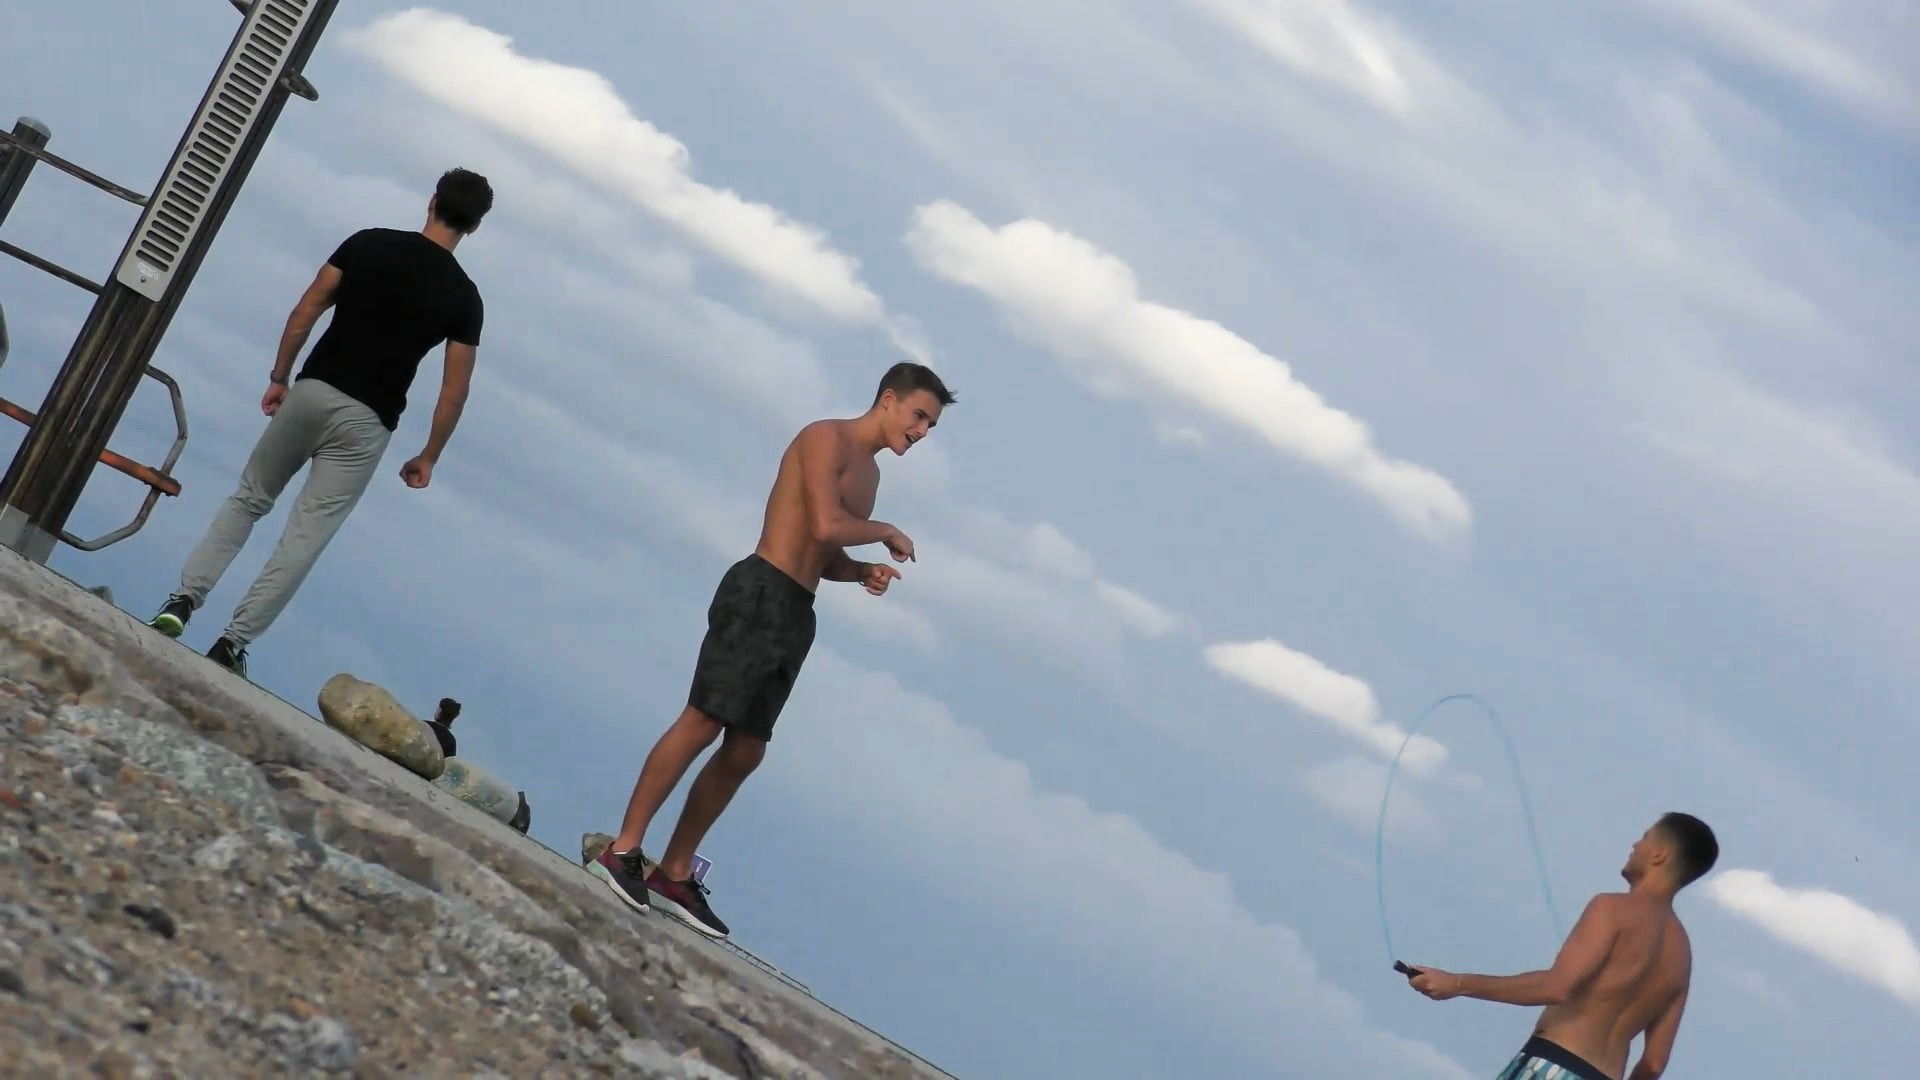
[(395, 294)]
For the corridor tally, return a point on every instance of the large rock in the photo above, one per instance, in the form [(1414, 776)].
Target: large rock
[(375, 720), (479, 788)]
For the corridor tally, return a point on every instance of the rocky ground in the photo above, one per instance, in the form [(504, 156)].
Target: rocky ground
[(195, 883)]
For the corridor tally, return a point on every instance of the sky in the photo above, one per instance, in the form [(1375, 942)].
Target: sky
[(1315, 360)]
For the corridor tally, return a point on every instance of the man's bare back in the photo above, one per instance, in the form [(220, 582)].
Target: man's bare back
[(1623, 971), (1641, 982), (822, 503)]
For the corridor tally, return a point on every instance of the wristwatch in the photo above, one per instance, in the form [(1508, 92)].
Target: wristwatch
[(279, 380)]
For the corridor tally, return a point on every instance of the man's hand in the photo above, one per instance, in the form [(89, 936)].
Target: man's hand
[(877, 576), (270, 401), (1436, 984), (418, 472), (898, 545)]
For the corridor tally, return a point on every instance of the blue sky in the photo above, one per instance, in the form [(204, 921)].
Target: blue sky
[(1315, 360)]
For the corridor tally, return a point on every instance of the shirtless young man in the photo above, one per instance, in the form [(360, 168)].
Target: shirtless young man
[(1623, 971), (760, 627)]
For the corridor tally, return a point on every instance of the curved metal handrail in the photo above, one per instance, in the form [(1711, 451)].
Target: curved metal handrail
[(159, 481)]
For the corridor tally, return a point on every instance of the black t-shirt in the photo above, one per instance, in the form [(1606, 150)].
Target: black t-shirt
[(400, 295)]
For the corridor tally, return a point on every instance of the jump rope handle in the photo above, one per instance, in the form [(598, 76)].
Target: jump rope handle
[(1401, 967)]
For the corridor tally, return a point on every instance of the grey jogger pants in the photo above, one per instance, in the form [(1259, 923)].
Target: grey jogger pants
[(344, 440)]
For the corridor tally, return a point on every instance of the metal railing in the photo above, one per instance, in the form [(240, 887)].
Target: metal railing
[(20, 150), (67, 436)]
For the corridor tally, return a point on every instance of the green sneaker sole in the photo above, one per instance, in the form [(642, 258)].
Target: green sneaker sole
[(169, 625)]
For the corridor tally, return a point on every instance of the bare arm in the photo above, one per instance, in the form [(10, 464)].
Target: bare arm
[(820, 467), (1659, 1044), (456, 375), (843, 567), (312, 304), (1580, 959)]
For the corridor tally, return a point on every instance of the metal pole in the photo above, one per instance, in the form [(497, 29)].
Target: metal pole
[(16, 164), (211, 162)]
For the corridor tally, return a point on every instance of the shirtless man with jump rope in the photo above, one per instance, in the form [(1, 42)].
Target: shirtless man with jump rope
[(1622, 972)]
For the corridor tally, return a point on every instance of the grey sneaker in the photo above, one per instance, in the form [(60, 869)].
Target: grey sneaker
[(173, 617)]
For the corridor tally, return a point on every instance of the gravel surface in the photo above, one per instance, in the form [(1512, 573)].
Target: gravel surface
[(197, 880)]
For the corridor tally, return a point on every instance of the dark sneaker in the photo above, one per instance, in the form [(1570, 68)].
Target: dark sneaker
[(173, 617), (686, 901), (228, 655), (625, 873)]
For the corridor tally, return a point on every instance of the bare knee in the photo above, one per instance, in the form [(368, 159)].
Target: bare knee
[(697, 727), (740, 754)]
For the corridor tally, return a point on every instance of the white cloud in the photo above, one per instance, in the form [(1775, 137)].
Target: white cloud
[(1140, 614), (1084, 304), (1348, 703), (578, 117), (1837, 929), (941, 803), (1769, 34), (1353, 788), (1056, 560), (1335, 42)]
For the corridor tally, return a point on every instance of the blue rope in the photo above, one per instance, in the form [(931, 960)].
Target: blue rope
[(1526, 808)]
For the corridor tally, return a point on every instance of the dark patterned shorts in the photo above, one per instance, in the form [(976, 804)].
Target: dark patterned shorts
[(759, 630)]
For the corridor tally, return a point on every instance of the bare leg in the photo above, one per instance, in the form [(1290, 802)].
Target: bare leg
[(666, 764), (712, 790)]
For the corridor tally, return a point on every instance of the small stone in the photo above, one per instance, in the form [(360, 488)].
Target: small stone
[(117, 872), (34, 725), (591, 845), (114, 1065), (301, 1009), (38, 798), (583, 1016), (85, 777), (12, 800), (12, 983), (156, 919), (128, 773), (109, 815)]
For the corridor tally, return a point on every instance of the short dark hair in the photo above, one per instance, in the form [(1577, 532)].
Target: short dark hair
[(905, 377), (461, 199), (1694, 843)]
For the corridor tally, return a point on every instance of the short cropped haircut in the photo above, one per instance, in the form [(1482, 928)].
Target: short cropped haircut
[(905, 377), (1695, 844), (461, 199)]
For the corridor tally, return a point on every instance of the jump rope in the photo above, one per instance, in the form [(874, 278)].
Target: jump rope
[(1526, 810)]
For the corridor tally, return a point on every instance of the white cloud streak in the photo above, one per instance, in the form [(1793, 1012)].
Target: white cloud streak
[(1346, 702), (578, 117), (1353, 788), (1334, 42), (1838, 930), (1776, 36), (1085, 305)]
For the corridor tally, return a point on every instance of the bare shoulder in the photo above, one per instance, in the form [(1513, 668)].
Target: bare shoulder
[(1607, 904), (820, 435)]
